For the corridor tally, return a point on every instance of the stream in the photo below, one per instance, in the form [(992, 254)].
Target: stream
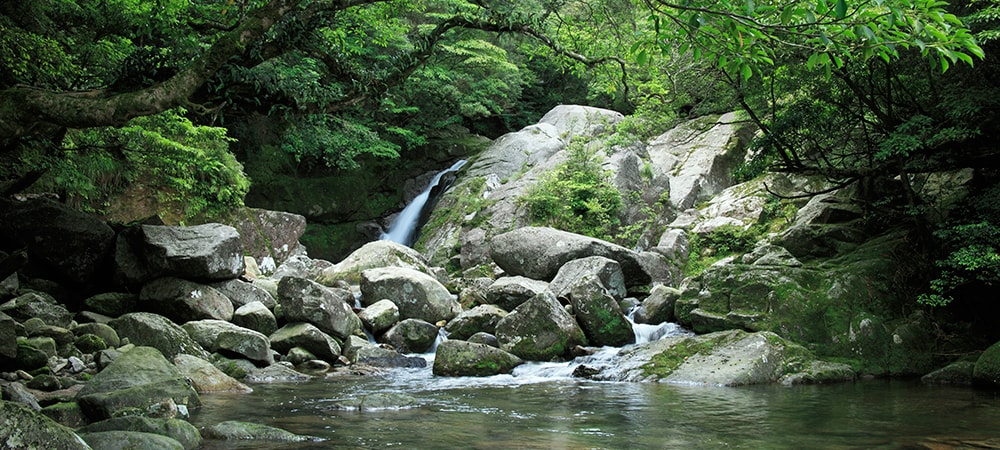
[(540, 406)]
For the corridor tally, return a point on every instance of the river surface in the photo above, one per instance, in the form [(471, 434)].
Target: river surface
[(541, 407)]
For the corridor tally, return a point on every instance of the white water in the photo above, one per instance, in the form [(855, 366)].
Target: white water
[(403, 228)]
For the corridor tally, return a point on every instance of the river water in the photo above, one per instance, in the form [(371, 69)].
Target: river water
[(541, 406)]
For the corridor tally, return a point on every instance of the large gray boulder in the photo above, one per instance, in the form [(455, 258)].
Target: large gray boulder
[(257, 317), (359, 351), (137, 382), (329, 309), (118, 439), (539, 252), (411, 336), (607, 271), (24, 429), (180, 430), (509, 292), (482, 318), (37, 305), (231, 340), (245, 431), (203, 252), (205, 377), (598, 314), (156, 331), (61, 242), (658, 307), (183, 300), (416, 294), (372, 255), (379, 316), (268, 234), (307, 336), (539, 330), (456, 358), (240, 293)]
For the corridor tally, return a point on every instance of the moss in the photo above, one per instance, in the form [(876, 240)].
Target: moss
[(664, 363)]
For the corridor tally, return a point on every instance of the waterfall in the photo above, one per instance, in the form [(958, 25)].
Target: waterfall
[(404, 228)]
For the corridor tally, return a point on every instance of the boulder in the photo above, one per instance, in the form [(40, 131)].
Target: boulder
[(112, 304), (179, 430), (456, 358), (484, 338), (605, 270), (245, 431), (411, 336), (66, 413), (508, 293), (205, 377), (373, 255), (483, 318), (658, 307), (329, 309), (130, 439), (37, 305), (156, 331), (255, 316), (416, 294), (598, 313), (276, 373), (18, 393), (360, 351), (139, 381), (101, 330), (959, 373), (240, 293), (987, 369), (539, 330), (307, 336), (203, 252), (265, 233), (26, 429), (379, 316), (62, 243), (8, 338), (230, 340), (183, 300), (539, 252)]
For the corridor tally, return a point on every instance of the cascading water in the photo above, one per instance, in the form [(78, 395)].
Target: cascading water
[(403, 229)]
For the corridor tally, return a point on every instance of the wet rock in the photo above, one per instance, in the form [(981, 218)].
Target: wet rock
[(130, 439), (156, 331), (455, 358), (203, 252), (411, 336), (182, 300), (26, 429), (379, 316), (483, 318), (179, 430), (307, 336), (139, 380), (373, 255), (605, 270), (255, 316), (509, 292), (37, 305), (246, 431), (276, 373), (598, 313), (658, 307), (205, 377), (379, 401), (361, 352), (230, 340), (416, 294), (241, 293), (329, 309), (539, 330)]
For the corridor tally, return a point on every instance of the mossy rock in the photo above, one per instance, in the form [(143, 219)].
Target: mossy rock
[(987, 369), (90, 343)]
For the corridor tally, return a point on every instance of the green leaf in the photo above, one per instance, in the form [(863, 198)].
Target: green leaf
[(840, 11)]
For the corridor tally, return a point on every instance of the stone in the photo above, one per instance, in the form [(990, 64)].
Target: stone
[(411, 336), (987, 369), (130, 439), (276, 373), (539, 252), (19, 393), (508, 293), (241, 293), (66, 413), (373, 255), (360, 351), (182, 300), (482, 318), (605, 270), (29, 357), (958, 373), (484, 338), (265, 233), (101, 330), (658, 307), (141, 379), (245, 431), (456, 358), (8, 339), (379, 316), (255, 316), (156, 331), (329, 309), (416, 294), (26, 429), (90, 343), (598, 313), (307, 336), (230, 340), (207, 252), (37, 305), (205, 377), (179, 430), (539, 330), (112, 304)]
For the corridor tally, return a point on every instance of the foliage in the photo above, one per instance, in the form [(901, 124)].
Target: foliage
[(577, 196)]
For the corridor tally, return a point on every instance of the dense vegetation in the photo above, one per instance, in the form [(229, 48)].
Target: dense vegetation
[(144, 104)]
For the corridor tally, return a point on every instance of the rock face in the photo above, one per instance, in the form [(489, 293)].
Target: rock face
[(202, 252), (539, 330), (416, 294), (539, 252), (456, 358), (140, 379), (26, 429), (328, 309)]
